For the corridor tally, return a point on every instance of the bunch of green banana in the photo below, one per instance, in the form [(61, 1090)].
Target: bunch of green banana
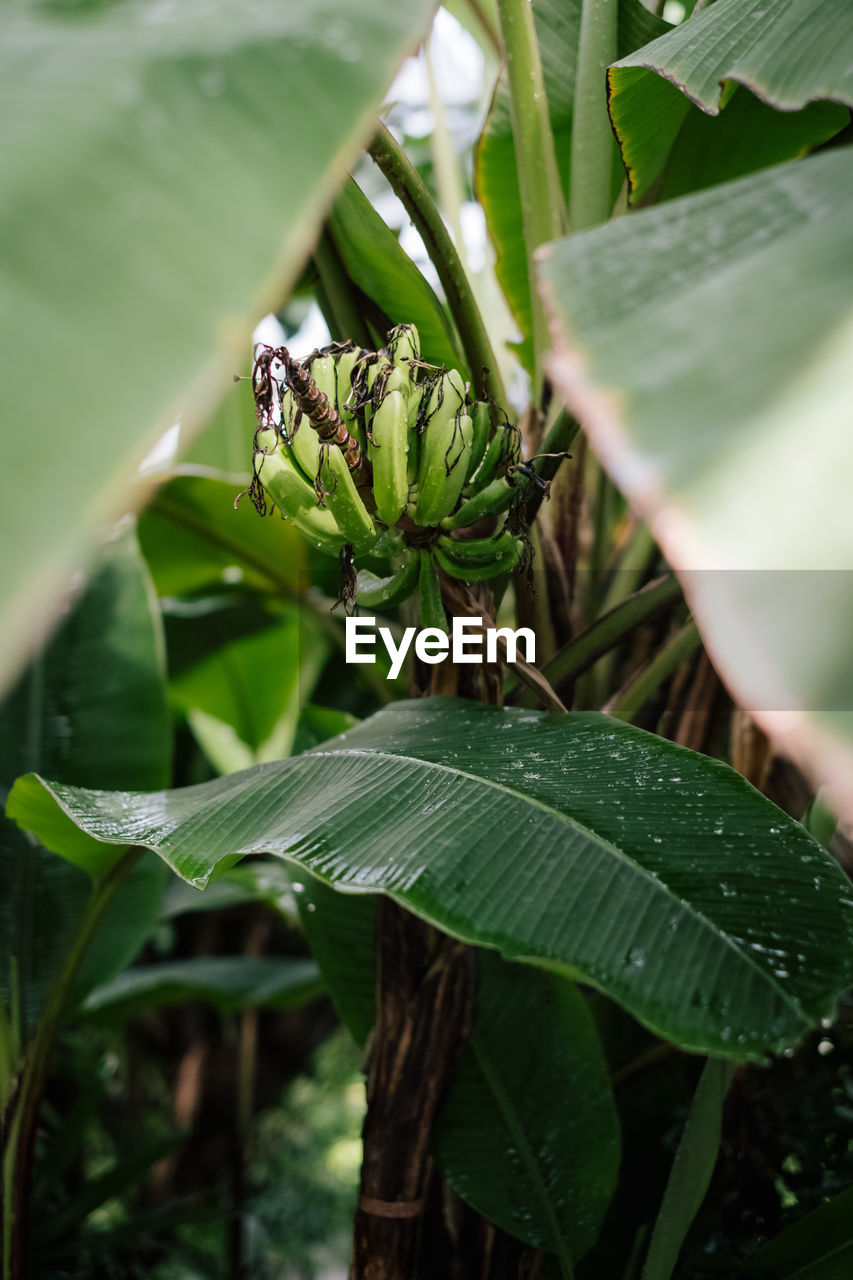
[(379, 451)]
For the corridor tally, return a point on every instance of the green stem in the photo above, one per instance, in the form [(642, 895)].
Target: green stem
[(558, 440), (609, 631), (601, 540), (593, 146), (19, 1136), (486, 24), (407, 183), (430, 603), (632, 698), (632, 567), (819, 820), (542, 205)]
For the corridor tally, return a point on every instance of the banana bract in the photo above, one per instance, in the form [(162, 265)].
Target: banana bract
[(378, 451)]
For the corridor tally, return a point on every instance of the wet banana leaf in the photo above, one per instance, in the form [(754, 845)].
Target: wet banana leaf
[(528, 1135), (574, 842), (788, 54)]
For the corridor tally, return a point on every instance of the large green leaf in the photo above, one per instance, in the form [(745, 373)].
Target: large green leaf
[(818, 1247), (62, 714), (163, 172), (383, 271), (242, 690), (574, 842), (258, 880), (708, 352), (747, 136), (789, 53), (229, 983), (557, 30), (691, 1170), (340, 929), (194, 537), (529, 1134)]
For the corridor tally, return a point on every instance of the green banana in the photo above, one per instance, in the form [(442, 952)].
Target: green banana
[(491, 501), (504, 450), (303, 441), (445, 448), (424, 447), (344, 369), (294, 496), (387, 451), (413, 436), (503, 560), (476, 550), (342, 498), (383, 593), (480, 558), (481, 416), (429, 594), (403, 345)]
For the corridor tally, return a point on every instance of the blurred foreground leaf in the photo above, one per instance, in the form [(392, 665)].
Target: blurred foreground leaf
[(708, 348), (163, 171)]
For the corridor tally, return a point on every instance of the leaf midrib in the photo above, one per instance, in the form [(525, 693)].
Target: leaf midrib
[(524, 1149), (593, 835), (790, 1002)]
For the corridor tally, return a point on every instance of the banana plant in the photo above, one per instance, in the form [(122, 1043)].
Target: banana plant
[(572, 907)]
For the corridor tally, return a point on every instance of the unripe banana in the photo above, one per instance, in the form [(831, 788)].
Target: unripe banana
[(491, 501), (429, 594), (477, 550), (413, 436), (322, 370), (388, 452), (445, 448), (504, 556), (504, 450), (481, 416), (294, 496), (344, 368), (402, 346), (383, 593), (362, 378), (441, 475), (342, 498), (303, 441), (385, 378)]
